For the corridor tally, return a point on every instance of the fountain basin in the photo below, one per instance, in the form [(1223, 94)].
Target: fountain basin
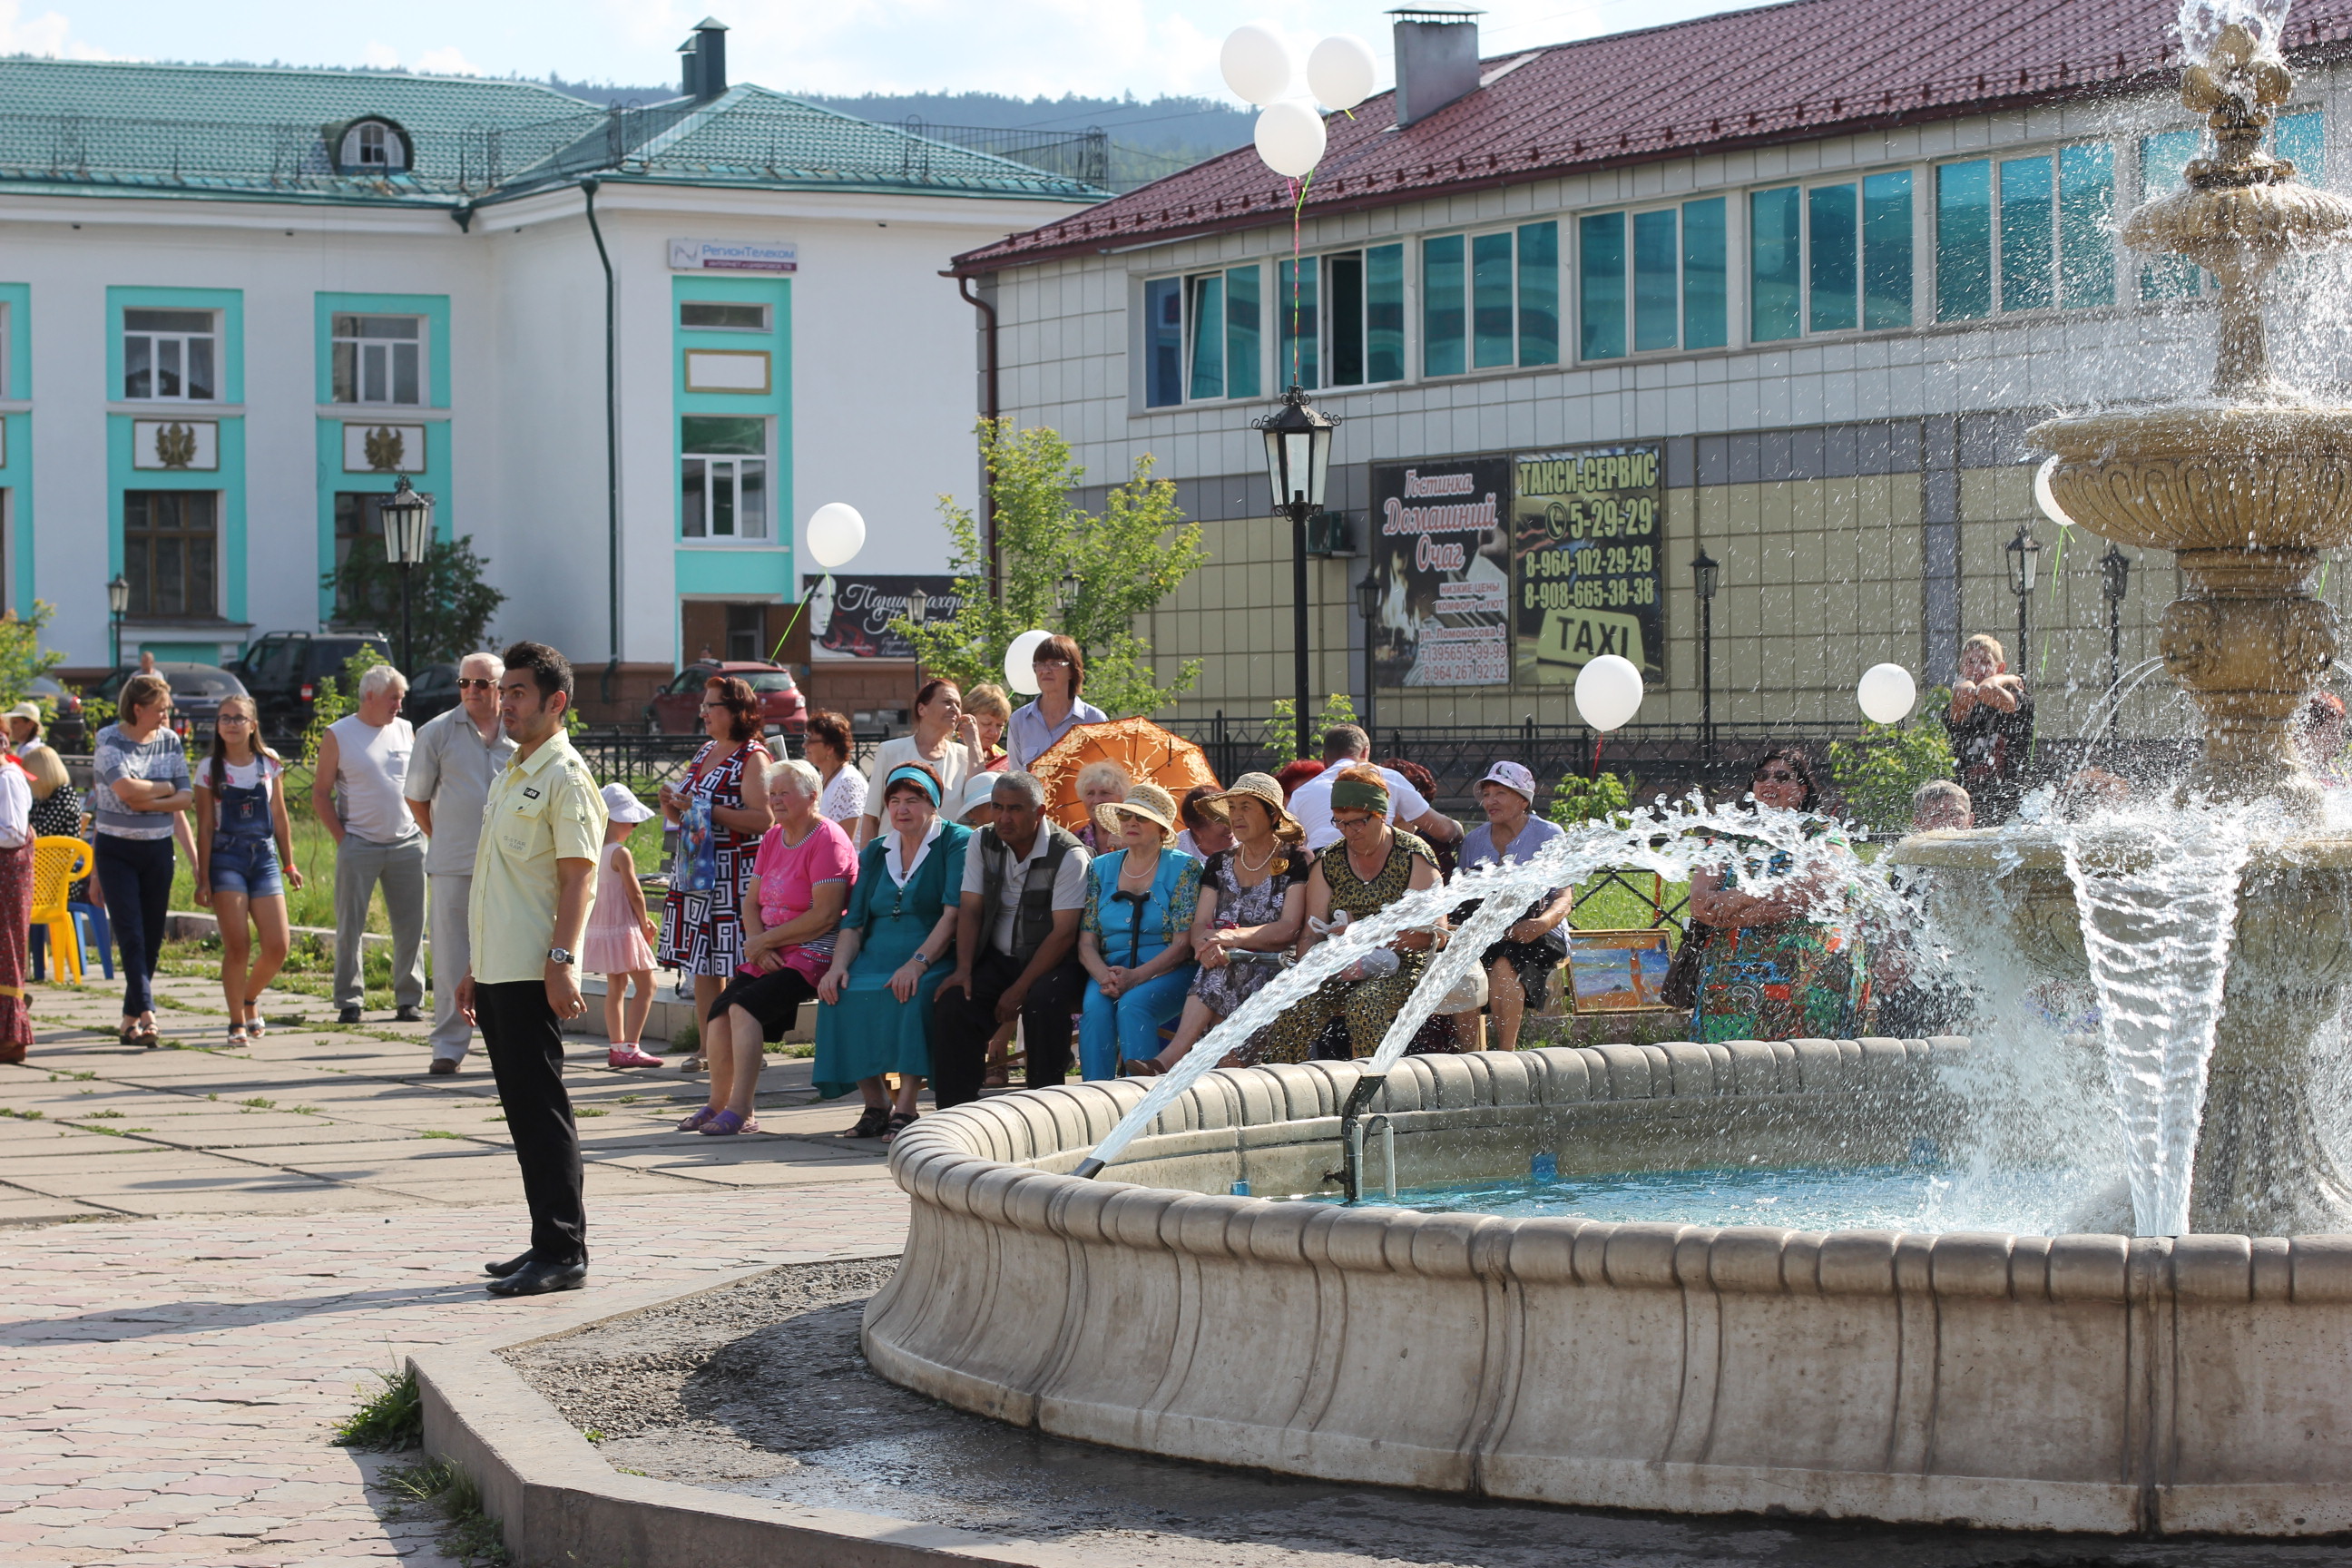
[(2206, 476), (2090, 1383)]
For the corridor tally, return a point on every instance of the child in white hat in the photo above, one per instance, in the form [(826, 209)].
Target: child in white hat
[(617, 944)]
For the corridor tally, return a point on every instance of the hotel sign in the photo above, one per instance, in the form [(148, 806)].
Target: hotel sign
[(1442, 556)]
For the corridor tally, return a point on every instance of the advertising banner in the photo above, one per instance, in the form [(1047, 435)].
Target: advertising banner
[(1442, 555), (850, 616), (1588, 529)]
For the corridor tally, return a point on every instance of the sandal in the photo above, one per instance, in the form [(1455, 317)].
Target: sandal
[(149, 1037), (871, 1124), (728, 1123), (899, 1121), (694, 1123), (128, 1034), (237, 1038), (255, 1026)]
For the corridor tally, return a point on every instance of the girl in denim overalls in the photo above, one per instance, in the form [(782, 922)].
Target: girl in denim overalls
[(243, 838)]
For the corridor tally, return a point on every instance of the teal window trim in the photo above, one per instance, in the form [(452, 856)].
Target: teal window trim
[(781, 542), (228, 303), (16, 303), (228, 479), (433, 308), (16, 458), (435, 479)]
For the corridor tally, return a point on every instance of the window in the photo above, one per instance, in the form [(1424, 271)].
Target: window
[(721, 316), (2302, 139), (1490, 301), (1297, 311), (1830, 258), (373, 147), (378, 359), (1363, 316), (359, 514), (1202, 337), (1650, 281), (168, 356), (2025, 234), (747, 628), (723, 477), (167, 552)]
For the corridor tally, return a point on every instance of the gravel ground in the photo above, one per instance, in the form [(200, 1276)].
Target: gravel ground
[(758, 1389)]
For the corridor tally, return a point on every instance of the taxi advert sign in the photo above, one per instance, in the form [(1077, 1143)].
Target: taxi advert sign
[(1587, 530)]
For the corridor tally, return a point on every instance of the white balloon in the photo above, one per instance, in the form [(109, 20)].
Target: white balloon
[(1290, 137), (1018, 671), (2045, 498), (835, 533), (1608, 693), (1256, 63), (1886, 692), (1339, 71)]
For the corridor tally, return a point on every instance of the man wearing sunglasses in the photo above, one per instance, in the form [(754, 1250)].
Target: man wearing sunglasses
[(458, 755)]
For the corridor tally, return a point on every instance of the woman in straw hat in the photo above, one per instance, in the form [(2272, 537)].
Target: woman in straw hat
[(1256, 904), (1132, 938)]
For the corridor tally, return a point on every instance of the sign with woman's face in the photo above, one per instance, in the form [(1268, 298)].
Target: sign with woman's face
[(861, 608), (1441, 552)]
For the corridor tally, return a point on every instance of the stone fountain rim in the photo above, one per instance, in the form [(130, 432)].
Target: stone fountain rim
[(2244, 433), (2038, 848)]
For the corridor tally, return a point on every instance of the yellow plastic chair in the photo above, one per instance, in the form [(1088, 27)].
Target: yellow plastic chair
[(57, 863)]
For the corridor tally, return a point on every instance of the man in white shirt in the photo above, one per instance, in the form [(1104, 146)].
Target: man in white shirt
[(363, 770), (1345, 745), (457, 755)]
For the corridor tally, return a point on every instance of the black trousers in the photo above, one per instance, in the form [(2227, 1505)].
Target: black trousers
[(137, 876), (526, 1045), (961, 1026)]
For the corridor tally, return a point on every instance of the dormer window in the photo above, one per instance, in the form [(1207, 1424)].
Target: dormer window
[(369, 146)]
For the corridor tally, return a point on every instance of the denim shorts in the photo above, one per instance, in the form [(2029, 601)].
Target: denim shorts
[(247, 866)]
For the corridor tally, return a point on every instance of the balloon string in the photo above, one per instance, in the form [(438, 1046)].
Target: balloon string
[(1297, 269), (2057, 560), (773, 656)]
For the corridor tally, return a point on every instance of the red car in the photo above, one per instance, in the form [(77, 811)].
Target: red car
[(677, 709)]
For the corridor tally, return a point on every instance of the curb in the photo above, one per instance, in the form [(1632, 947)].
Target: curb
[(556, 1501)]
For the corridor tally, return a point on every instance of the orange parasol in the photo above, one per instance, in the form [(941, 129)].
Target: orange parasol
[(1145, 750)]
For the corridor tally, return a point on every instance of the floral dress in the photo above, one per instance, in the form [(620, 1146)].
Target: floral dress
[(702, 932), (1367, 1006), (1226, 989), (1795, 979)]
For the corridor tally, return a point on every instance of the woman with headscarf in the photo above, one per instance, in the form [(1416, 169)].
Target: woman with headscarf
[(1778, 964), (887, 960), (1134, 938), (1373, 864)]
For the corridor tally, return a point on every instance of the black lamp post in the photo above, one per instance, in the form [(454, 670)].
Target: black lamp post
[(1297, 461), (1706, 576), (118, 603), (407, 535), (2114, 581), (919, 610), (1368, 605), (2025, 558), (1066, 590)]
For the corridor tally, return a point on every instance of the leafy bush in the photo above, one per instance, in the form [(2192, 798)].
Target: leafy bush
[(1577, 799), (449, 604), (1337, 709), (389, 1418), (1877, 772), (336, 698)]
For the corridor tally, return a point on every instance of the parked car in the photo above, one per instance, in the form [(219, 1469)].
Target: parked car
[(285, 669), (432, 691), (197, 693), (676, 709), (68, 731)]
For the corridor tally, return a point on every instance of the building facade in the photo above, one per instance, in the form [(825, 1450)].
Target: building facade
[(626, 351), (1785, 288)]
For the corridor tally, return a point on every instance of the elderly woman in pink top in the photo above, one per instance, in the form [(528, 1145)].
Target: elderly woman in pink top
[(801, 881)]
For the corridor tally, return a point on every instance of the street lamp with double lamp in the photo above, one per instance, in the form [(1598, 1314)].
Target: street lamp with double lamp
[(2024, 559), (1297, 461), (1368, 605), (118, 605), (1706, 576), (408, 536)]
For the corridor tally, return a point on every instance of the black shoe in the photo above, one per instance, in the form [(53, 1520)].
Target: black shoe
[(348, 1016), (537, 1278), (501, 1270), (406, 1015), (444, 1066)]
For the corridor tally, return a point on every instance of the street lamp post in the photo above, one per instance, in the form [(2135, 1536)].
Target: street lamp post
[(407, 535), (1368, 605), (118, 603), (919, 610), (2024, 557), (2114, 580), (1297, 461), (1706, 576)]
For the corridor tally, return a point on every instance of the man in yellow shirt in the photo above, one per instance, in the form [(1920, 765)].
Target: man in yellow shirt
[(534, 877)]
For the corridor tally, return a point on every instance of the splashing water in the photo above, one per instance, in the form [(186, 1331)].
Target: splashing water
[(2157, 894), (2202, 23)]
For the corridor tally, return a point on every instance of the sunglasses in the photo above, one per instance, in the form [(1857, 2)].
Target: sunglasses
[(478, 685)]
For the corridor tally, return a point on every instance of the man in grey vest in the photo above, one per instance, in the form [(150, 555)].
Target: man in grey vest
[(458, 755), (1025, 886), (359, 796)]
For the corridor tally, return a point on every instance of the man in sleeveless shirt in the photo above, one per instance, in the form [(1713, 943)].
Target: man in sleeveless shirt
[(361, 796)]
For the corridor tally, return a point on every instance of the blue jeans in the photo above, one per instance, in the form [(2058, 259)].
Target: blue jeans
[(1129, 1027)]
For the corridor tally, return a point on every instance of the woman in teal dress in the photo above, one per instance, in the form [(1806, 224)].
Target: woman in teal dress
[(1135, 937), (875, 1016)]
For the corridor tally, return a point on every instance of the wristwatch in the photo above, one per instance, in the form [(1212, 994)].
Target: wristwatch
[(560, 955), (919, 956)]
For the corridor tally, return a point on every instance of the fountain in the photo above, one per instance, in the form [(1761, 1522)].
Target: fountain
[(1090, 1261)]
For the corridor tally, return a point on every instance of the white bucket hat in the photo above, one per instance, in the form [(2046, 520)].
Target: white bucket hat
[(623, 806)]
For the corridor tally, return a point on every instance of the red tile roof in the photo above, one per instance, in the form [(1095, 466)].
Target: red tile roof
[(1793, 72)]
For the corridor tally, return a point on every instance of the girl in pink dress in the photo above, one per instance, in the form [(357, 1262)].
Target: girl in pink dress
[(616, 945)]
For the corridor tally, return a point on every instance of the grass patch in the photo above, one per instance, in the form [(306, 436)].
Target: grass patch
[(436, 1132), (576, 1110), (105, 1115), (20, 1115), (471, 1535), (390, 1418), (790, 1049), (258, 1103)]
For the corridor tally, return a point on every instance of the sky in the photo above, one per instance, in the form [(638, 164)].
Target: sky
[(1024, 48)]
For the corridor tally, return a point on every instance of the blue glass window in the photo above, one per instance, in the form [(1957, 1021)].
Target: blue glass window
[(2028, 241), (1298, 337), (1834, 224), (1384, 313), (2302, 140), (1539, 293), (1209, 336), (2086, 204), (1657, 301), (1963, 241), (1163, 342), (1242, 332), (1444, 328), (1887, 250), (1776, 266), (1494, 335), (1707, 320), (1601, 285)]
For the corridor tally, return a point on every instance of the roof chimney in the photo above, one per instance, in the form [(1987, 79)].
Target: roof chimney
[(1436, 59), (704, 61)]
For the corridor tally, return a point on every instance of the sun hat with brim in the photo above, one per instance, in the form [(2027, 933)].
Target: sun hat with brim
[(978, 790), (1264, 789), (1513, 778), (623, 806), (1151, 803), (24, 710)]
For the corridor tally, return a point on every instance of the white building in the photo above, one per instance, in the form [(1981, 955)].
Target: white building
[(236, 303)]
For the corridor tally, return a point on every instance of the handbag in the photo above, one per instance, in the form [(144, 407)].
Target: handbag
[(1680, 987), (697, 848)]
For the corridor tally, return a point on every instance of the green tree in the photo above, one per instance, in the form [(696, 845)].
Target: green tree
[(1124, 561), (451, 604), (1576, 799), (337, 698), (1877, 772), (1338, 708), (21, 657)]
